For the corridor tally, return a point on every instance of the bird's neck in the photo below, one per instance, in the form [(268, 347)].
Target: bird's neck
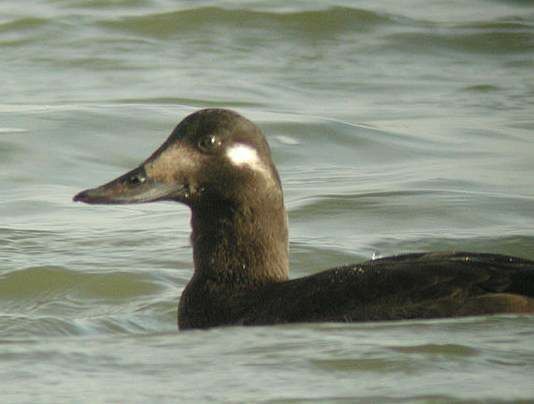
[(241, 244)]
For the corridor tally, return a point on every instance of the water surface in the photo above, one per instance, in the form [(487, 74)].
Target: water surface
[(396, 127)]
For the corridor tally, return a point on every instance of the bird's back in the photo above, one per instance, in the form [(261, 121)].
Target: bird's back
[(422, 285)]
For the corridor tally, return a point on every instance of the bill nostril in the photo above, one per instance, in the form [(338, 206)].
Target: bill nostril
[(136, 179)]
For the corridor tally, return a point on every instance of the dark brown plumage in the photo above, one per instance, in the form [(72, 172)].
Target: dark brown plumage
[(219, 164)]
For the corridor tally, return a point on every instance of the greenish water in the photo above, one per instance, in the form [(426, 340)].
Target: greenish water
[(396, 127)]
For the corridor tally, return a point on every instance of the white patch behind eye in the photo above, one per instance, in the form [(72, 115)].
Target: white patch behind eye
[(242, 154)]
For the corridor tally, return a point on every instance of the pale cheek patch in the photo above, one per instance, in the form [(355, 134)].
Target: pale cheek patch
[(164, 167), (241, 154)]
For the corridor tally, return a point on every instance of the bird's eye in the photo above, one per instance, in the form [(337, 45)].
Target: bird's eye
[(209, 143)]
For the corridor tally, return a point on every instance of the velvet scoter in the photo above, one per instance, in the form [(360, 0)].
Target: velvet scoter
[(219, 164)]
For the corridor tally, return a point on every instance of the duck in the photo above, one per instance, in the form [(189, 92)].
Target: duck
[(218, 163)]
